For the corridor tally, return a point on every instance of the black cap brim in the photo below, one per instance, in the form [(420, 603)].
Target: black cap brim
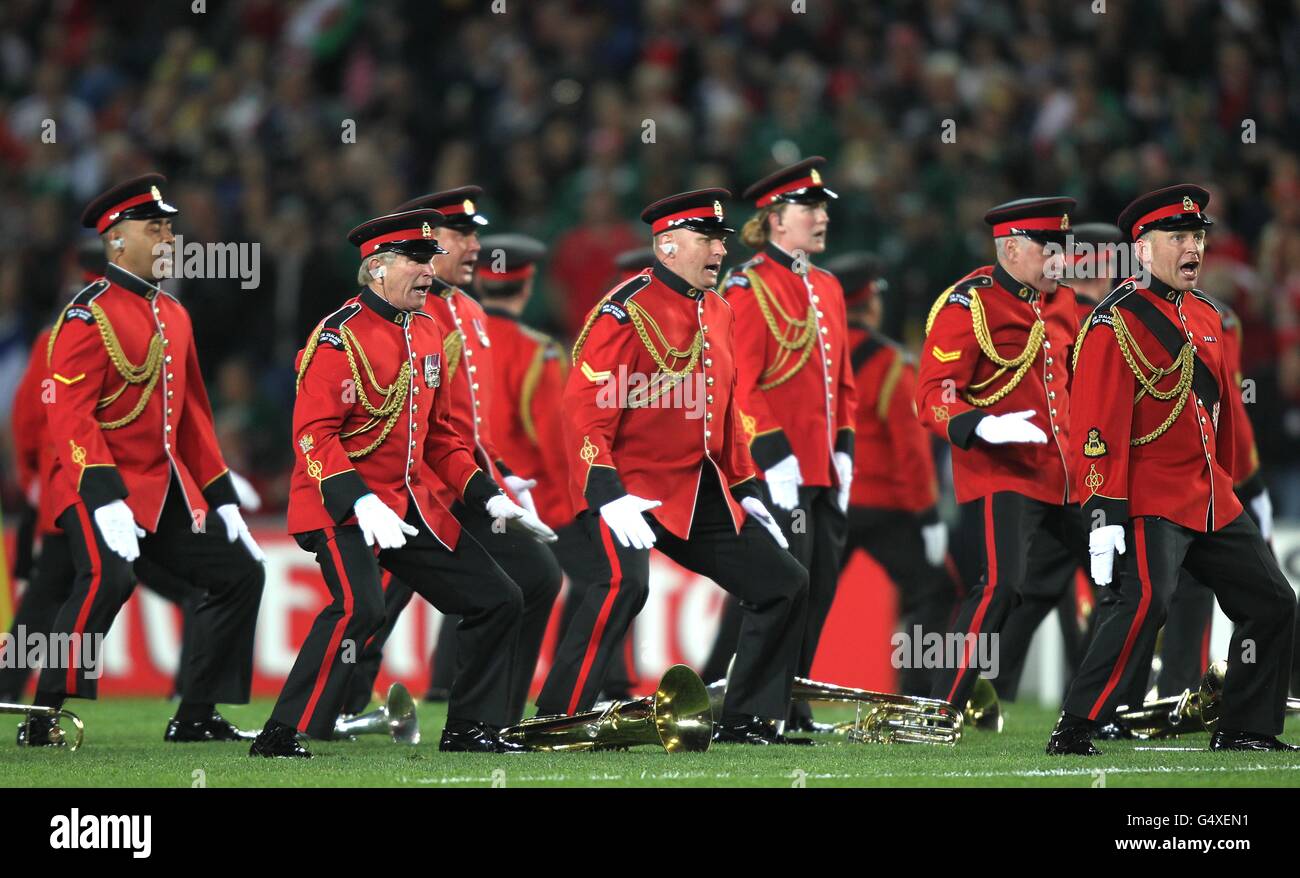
[(705, 226), (1181, 222), (469, 222), (420, 251), (147, 211), (810, 195)]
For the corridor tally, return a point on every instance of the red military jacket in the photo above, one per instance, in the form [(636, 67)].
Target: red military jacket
[(619, 436), (1139, 455), (796, 394), (526, 396), (373, 415), (129, 411), (895, 469), (33, 450), (469, 364), (986, 312)]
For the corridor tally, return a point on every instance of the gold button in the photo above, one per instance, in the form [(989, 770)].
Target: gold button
[(478, 420), (415, 390), (826, 345), (708, 361), (1049, 361), (825, 330), (708, 416), (821, 313), (167, 429), (704, 328), (475, 386), (473, 369), (1048, 345), (468, 352), (707, 434), (1051, 394), (709, 398), (170, 376), (1053, 412), (707, 345), (170, 394), (412, 443), (1049, 376), (815, 300), (709, 381), (167, 359), (166, 341)]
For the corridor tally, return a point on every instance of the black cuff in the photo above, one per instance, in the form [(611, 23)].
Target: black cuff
[(928, 517), (770, 449), (221, 491), (101, 485), (502, 468), (478, 490), (603, 486), (961, 429), (341, 492), (748, 488), (1251, 488), (844, 441), (1103, 512)]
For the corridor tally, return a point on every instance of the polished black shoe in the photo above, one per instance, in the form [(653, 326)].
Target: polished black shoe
[(1071, 741), (1228, 741), (1114, 730), (278, 741), (475, 738), (214, 728), (41, 731), (752, 730)]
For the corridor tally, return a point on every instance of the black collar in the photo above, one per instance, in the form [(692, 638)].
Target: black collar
[(497, 311), (1003, 278), (674, 281), (779, 256), (443, 288), (383, 307), (1163, 290), (128, 281)]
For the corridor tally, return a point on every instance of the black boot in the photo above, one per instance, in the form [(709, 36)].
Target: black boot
[(278, 741), (41, 731), (1071, 737), (751, 730), (1225, 740), (466, 737), (214, 728)]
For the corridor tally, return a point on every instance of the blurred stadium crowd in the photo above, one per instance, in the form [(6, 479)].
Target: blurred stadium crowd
[(245, 106)]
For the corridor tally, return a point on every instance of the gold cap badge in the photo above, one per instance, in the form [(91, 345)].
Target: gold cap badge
[(816, 177), (157, 196), (468, 205), (717, 209), (426, 231), (1188, 204), (1065, 222)]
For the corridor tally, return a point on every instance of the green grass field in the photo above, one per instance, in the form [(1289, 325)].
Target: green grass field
[(123, 747)]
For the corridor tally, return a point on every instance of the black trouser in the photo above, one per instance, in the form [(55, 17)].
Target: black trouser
[(1238, 566), (1003, 527), (218, 665), (816, 530), (465, 581), (771, 584), (527, 563), (892, 537), (1049, 585), (53, 574), (572, 550)]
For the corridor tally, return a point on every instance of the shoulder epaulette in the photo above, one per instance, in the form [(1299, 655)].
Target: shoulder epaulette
[(735, 278), (615, 304), (1225, 313), (957, 294), (79, 308), (331, 327)]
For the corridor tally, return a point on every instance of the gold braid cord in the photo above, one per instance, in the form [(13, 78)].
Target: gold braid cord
[(1021, 362), (791, 335), (452, 346), (667, 377), (1184, 364), (145, 373), (395, 395)]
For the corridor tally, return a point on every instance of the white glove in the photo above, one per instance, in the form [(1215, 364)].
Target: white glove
[(118, 528), (503, 509), (236, 529), (1103, 543), (1263, 507), (381, 525), (844, 468), (522, 488), (248, 497), (783, 481), (1014, 427), (755, 507), (626, 521), (935, 537)]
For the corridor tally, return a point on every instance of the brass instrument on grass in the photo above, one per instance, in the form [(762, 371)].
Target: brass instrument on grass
[(983, 711), (396, 718), (882, 717), (1192, 711), (676, 717), (30, 710)]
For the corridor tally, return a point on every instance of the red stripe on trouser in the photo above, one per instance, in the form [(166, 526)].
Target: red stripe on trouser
[(991, 558), (1144, 577), (1205, 640), (615, 579), (335, 639), (96, 576)]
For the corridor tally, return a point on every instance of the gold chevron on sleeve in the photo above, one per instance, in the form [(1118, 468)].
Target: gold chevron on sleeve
[(945, 356), (592, 375), (73, 380)]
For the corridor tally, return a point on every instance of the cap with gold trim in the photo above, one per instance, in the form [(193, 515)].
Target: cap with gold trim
[(1045, 220), (800, 183), (1170, 209), (138, 199), (458, 207), (410, 233), (699, 211)]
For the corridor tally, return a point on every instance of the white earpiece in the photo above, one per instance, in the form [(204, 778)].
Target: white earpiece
[(379, 272), (668, 247), (117, 243)]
